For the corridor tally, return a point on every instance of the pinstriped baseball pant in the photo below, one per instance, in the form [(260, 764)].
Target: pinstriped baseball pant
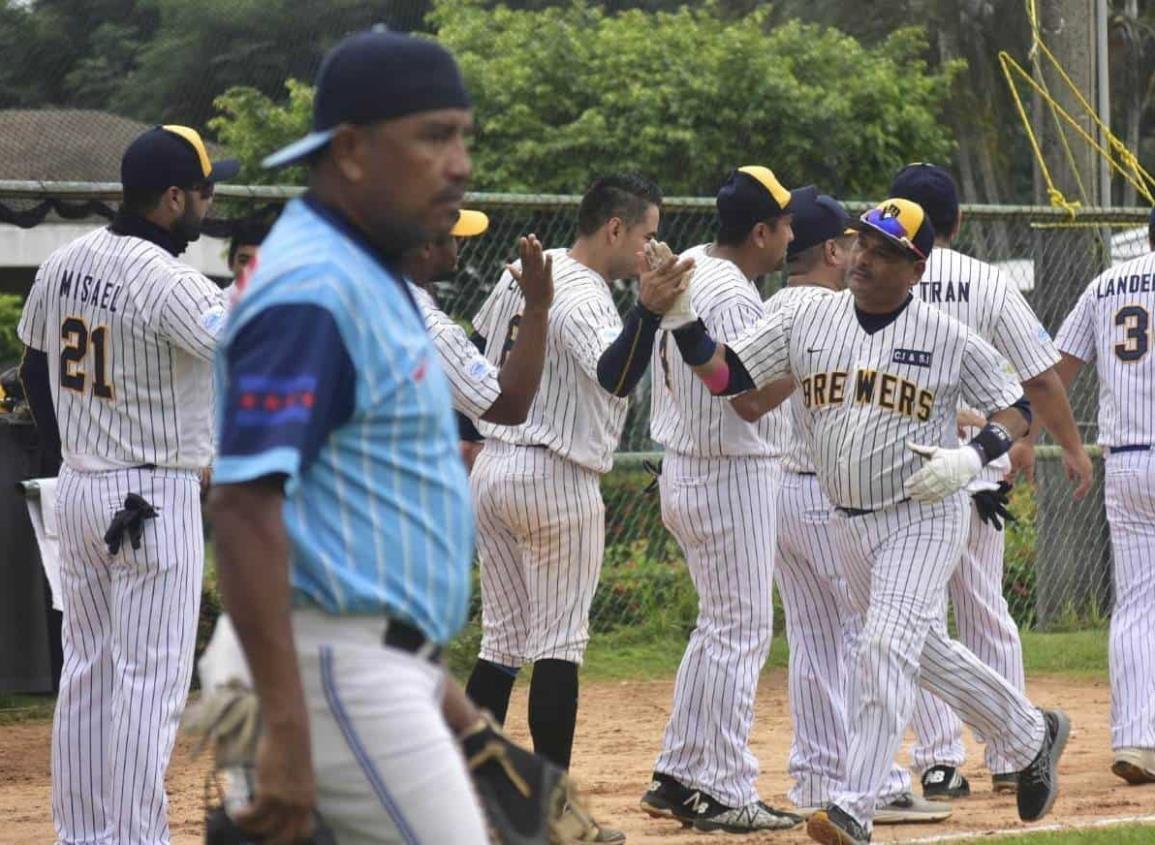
[(718, 509), (897, 563), (1130, 496), (128, 636), (986, 627), (821, 630), (541, 536)]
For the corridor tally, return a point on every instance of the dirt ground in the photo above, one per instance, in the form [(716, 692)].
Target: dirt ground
[(618, 735)]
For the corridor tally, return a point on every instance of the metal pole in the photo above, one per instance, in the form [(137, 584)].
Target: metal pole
[(1103, 74)]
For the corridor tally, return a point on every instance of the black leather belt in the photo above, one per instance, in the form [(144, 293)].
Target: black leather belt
[(1136, 447), (401, 635), (865, 511)]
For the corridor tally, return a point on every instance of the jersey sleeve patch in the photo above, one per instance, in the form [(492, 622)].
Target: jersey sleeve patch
[(290, 383)]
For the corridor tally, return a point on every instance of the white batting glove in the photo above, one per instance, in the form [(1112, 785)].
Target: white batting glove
[(680, 313), (946, 471)]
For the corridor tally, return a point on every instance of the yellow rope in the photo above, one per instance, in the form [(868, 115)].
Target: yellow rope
[(1127, 166)]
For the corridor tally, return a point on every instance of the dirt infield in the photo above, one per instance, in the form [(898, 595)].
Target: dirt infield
[(618, 734)]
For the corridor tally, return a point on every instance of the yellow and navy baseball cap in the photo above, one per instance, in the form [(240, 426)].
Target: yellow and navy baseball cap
[(903, 223), (751, 194), (470, 224), (172, 156)]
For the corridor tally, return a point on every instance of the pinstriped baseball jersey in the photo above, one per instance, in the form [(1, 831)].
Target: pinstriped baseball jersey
[(571, 414), (1111, 325), (472, 378), (684, 417), (981, 297), (129, 332), (785, 422), (866, 395)]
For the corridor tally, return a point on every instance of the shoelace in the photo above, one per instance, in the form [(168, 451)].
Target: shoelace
[(498, 753)]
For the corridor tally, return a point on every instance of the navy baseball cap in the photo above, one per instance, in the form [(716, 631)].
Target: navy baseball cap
[(373, 76), (750, 195), (172, 156), (817, 219), (933, 188)]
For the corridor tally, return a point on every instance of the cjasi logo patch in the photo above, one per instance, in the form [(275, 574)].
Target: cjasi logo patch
[(912, 357)]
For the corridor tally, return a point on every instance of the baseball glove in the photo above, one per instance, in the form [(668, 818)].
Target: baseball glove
[(527, 799)]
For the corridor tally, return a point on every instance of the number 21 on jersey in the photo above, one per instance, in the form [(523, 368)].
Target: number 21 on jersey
[(76, 341)]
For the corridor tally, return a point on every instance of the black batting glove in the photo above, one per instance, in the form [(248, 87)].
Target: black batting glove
[(992, 505)]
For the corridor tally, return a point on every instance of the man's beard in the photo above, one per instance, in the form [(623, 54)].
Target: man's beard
[(188, 227)]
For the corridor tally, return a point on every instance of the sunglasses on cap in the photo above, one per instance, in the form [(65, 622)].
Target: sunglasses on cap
[(893, 227)]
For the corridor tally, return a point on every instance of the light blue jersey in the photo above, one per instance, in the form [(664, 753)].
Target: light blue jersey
[(328, 377)]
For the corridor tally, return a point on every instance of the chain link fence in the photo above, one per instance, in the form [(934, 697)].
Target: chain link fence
[(1058, 555), (1057, 565)]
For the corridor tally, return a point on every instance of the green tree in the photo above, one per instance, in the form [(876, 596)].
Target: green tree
[(11, 347), (251, 125), (567, 92), (563, 94)]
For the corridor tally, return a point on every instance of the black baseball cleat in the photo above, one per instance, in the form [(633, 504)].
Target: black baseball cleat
[(835, 826), (669, 798), (1039, 782), (944, 782)]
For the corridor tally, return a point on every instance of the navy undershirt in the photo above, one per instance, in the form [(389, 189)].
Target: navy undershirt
[(872, 323)]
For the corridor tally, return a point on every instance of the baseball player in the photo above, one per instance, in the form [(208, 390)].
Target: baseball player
[(820, 625), (119, 337), (541, 529), (482, 390), (719, 479), (880, 374), (1111, 326), (981, 297), (341, 512)]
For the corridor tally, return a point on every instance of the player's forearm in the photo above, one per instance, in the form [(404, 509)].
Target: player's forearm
[(717, 367), (624, 362), (520, 376), (457, 708), (754, 404), (253, 572), (38, 391), (1013, 420), (1052, 409)]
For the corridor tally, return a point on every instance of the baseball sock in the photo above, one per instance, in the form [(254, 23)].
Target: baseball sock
[(553, 704), (490, 685)]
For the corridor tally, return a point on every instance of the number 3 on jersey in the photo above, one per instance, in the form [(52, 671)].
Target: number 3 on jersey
[(1135, 322), (76, 340)]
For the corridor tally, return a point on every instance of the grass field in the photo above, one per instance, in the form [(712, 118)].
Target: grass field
[(1114, 835), (642, 654)]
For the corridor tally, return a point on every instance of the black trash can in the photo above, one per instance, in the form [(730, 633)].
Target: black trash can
[(30, 656)]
